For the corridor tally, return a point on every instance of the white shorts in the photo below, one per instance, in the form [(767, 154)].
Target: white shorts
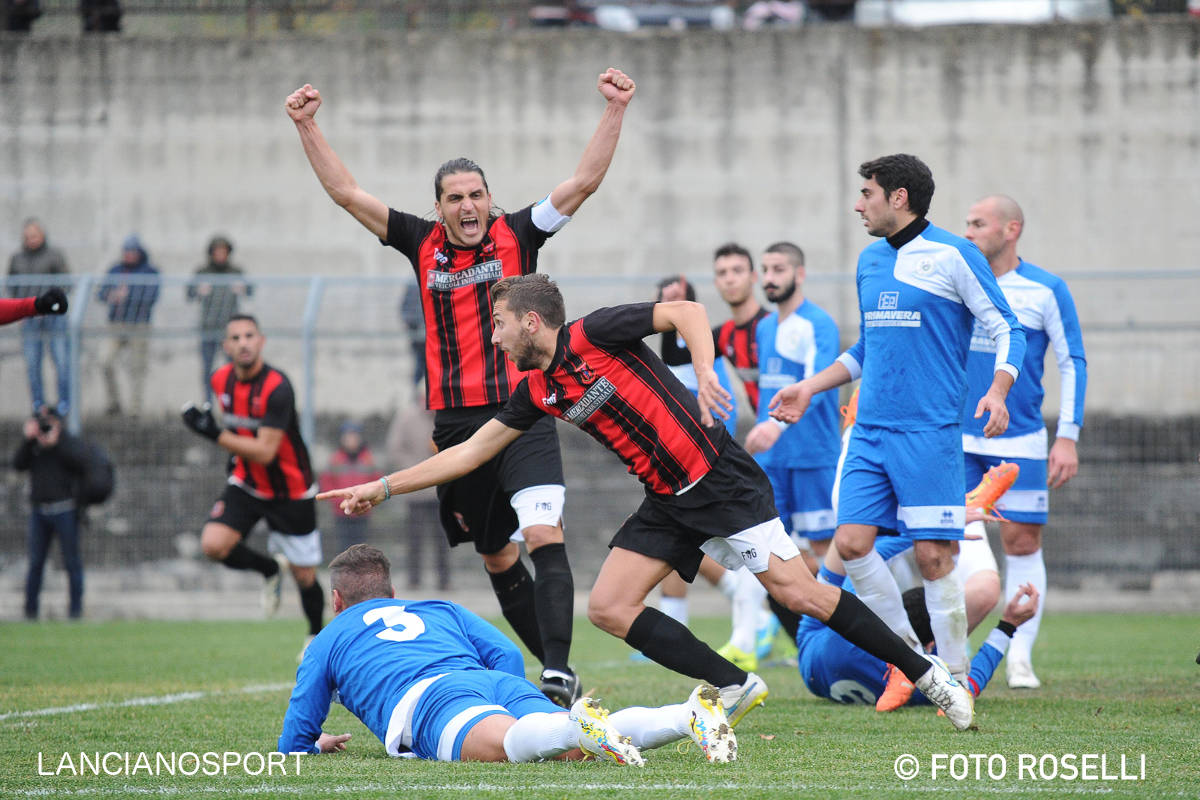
[(538, 505), (300, 550), (753, 547)]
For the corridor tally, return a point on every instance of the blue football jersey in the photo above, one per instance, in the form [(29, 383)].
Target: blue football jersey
[(796, 348), (374, 651), (1046, 311), (918, 307)]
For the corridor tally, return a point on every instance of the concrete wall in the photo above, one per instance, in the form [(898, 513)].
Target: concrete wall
[(746, 136)]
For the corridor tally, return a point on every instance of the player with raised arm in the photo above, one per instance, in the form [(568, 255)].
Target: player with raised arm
[(919, 289), (704, 494), (1046, 310), (457, 259)]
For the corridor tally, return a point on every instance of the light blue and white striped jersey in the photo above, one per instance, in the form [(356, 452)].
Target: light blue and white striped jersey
[(918, 306), (373, 652), (1046, 310), (799, 347)]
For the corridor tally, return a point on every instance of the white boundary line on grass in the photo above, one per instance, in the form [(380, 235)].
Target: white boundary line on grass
[(695, 788), (161, 700)]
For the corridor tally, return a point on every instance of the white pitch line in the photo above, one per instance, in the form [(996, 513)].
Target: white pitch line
[(160, 700), (574, 788)]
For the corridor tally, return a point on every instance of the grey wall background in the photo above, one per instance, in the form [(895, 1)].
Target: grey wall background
[(746, 136)]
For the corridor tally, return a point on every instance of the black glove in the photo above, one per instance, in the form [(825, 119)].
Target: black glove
[(201, 420), (51, 301)]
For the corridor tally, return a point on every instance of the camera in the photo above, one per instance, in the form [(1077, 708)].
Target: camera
[(45, 425)]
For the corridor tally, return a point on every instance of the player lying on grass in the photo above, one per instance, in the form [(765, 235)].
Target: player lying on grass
[(833, 668), (704, 494), (433, 680)]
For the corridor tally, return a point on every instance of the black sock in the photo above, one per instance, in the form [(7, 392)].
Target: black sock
[(668, 642), (242, 557), (858, 625), (514, 590), (789, 619), (554, 599), (312, 600)]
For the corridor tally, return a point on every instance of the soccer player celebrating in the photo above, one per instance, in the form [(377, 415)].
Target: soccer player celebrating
[(918, 289), (704, 494), (1046, 310), (456, 260), (433, 680), (270, 475)]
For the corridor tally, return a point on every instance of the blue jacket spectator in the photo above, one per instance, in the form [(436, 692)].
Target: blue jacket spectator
[(130, 301)]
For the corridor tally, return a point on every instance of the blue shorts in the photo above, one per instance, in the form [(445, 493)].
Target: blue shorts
[(453, 704), (804, 499), (910, 482), (1028, 500)]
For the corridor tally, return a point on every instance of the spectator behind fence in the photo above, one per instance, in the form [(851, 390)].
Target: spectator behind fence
[(37, 257), (55, 461), (409, 440), (100, 16), (18, 15), (218, 293), (350, 464), (130, 304), (414, 320)]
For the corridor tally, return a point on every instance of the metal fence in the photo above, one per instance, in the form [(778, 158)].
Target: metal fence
[(1130, 514)]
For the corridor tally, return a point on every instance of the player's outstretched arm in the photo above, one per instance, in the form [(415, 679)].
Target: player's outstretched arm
[(790, 402), (618, 89), (992, 403), (301, 105), (690, 320), (453, 462)]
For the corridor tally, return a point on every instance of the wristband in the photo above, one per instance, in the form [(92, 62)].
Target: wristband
[(387, 490), (1006, 627)]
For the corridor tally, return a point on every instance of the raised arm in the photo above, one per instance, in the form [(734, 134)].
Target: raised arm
[(690, 320), (451, 463), (568, 196), (301, 106)]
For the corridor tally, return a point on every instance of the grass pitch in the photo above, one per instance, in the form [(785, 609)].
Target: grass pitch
[(1115, 686)]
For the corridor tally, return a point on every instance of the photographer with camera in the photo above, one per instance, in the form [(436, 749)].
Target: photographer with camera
[(55, 461)]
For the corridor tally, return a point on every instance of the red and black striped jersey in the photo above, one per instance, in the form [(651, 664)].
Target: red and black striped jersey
[(462, 367), (605, 380), (739, 344), (265, 401)]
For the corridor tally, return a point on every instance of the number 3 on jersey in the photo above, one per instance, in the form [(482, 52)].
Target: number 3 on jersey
[(399, 625)]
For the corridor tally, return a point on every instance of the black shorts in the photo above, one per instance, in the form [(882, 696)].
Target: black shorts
[(734, 496), (241, 511), (475, 508)]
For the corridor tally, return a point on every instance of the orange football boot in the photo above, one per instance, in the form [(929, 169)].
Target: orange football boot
[(850, 411), (897, 691), (996, 481)]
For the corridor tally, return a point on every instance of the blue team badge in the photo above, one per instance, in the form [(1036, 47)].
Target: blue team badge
[(586, 375), (925, 266), (889, 301)]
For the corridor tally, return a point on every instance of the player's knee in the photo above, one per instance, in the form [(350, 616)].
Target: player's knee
[(606, 617), (215, 544), (540, 535), (1023, 540), (851, 546), (934, 558)]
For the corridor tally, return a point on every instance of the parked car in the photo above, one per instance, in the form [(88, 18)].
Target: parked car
[(875, 13)]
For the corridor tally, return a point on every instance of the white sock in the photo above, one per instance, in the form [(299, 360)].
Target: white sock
[(878, 590), (540, 735), (947, 605), (1019, 570), (747, 603), (728, 583), (674, 607), (652, 727)]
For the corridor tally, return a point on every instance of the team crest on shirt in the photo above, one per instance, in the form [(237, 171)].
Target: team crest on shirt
[(925, 266), (586, 375)]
